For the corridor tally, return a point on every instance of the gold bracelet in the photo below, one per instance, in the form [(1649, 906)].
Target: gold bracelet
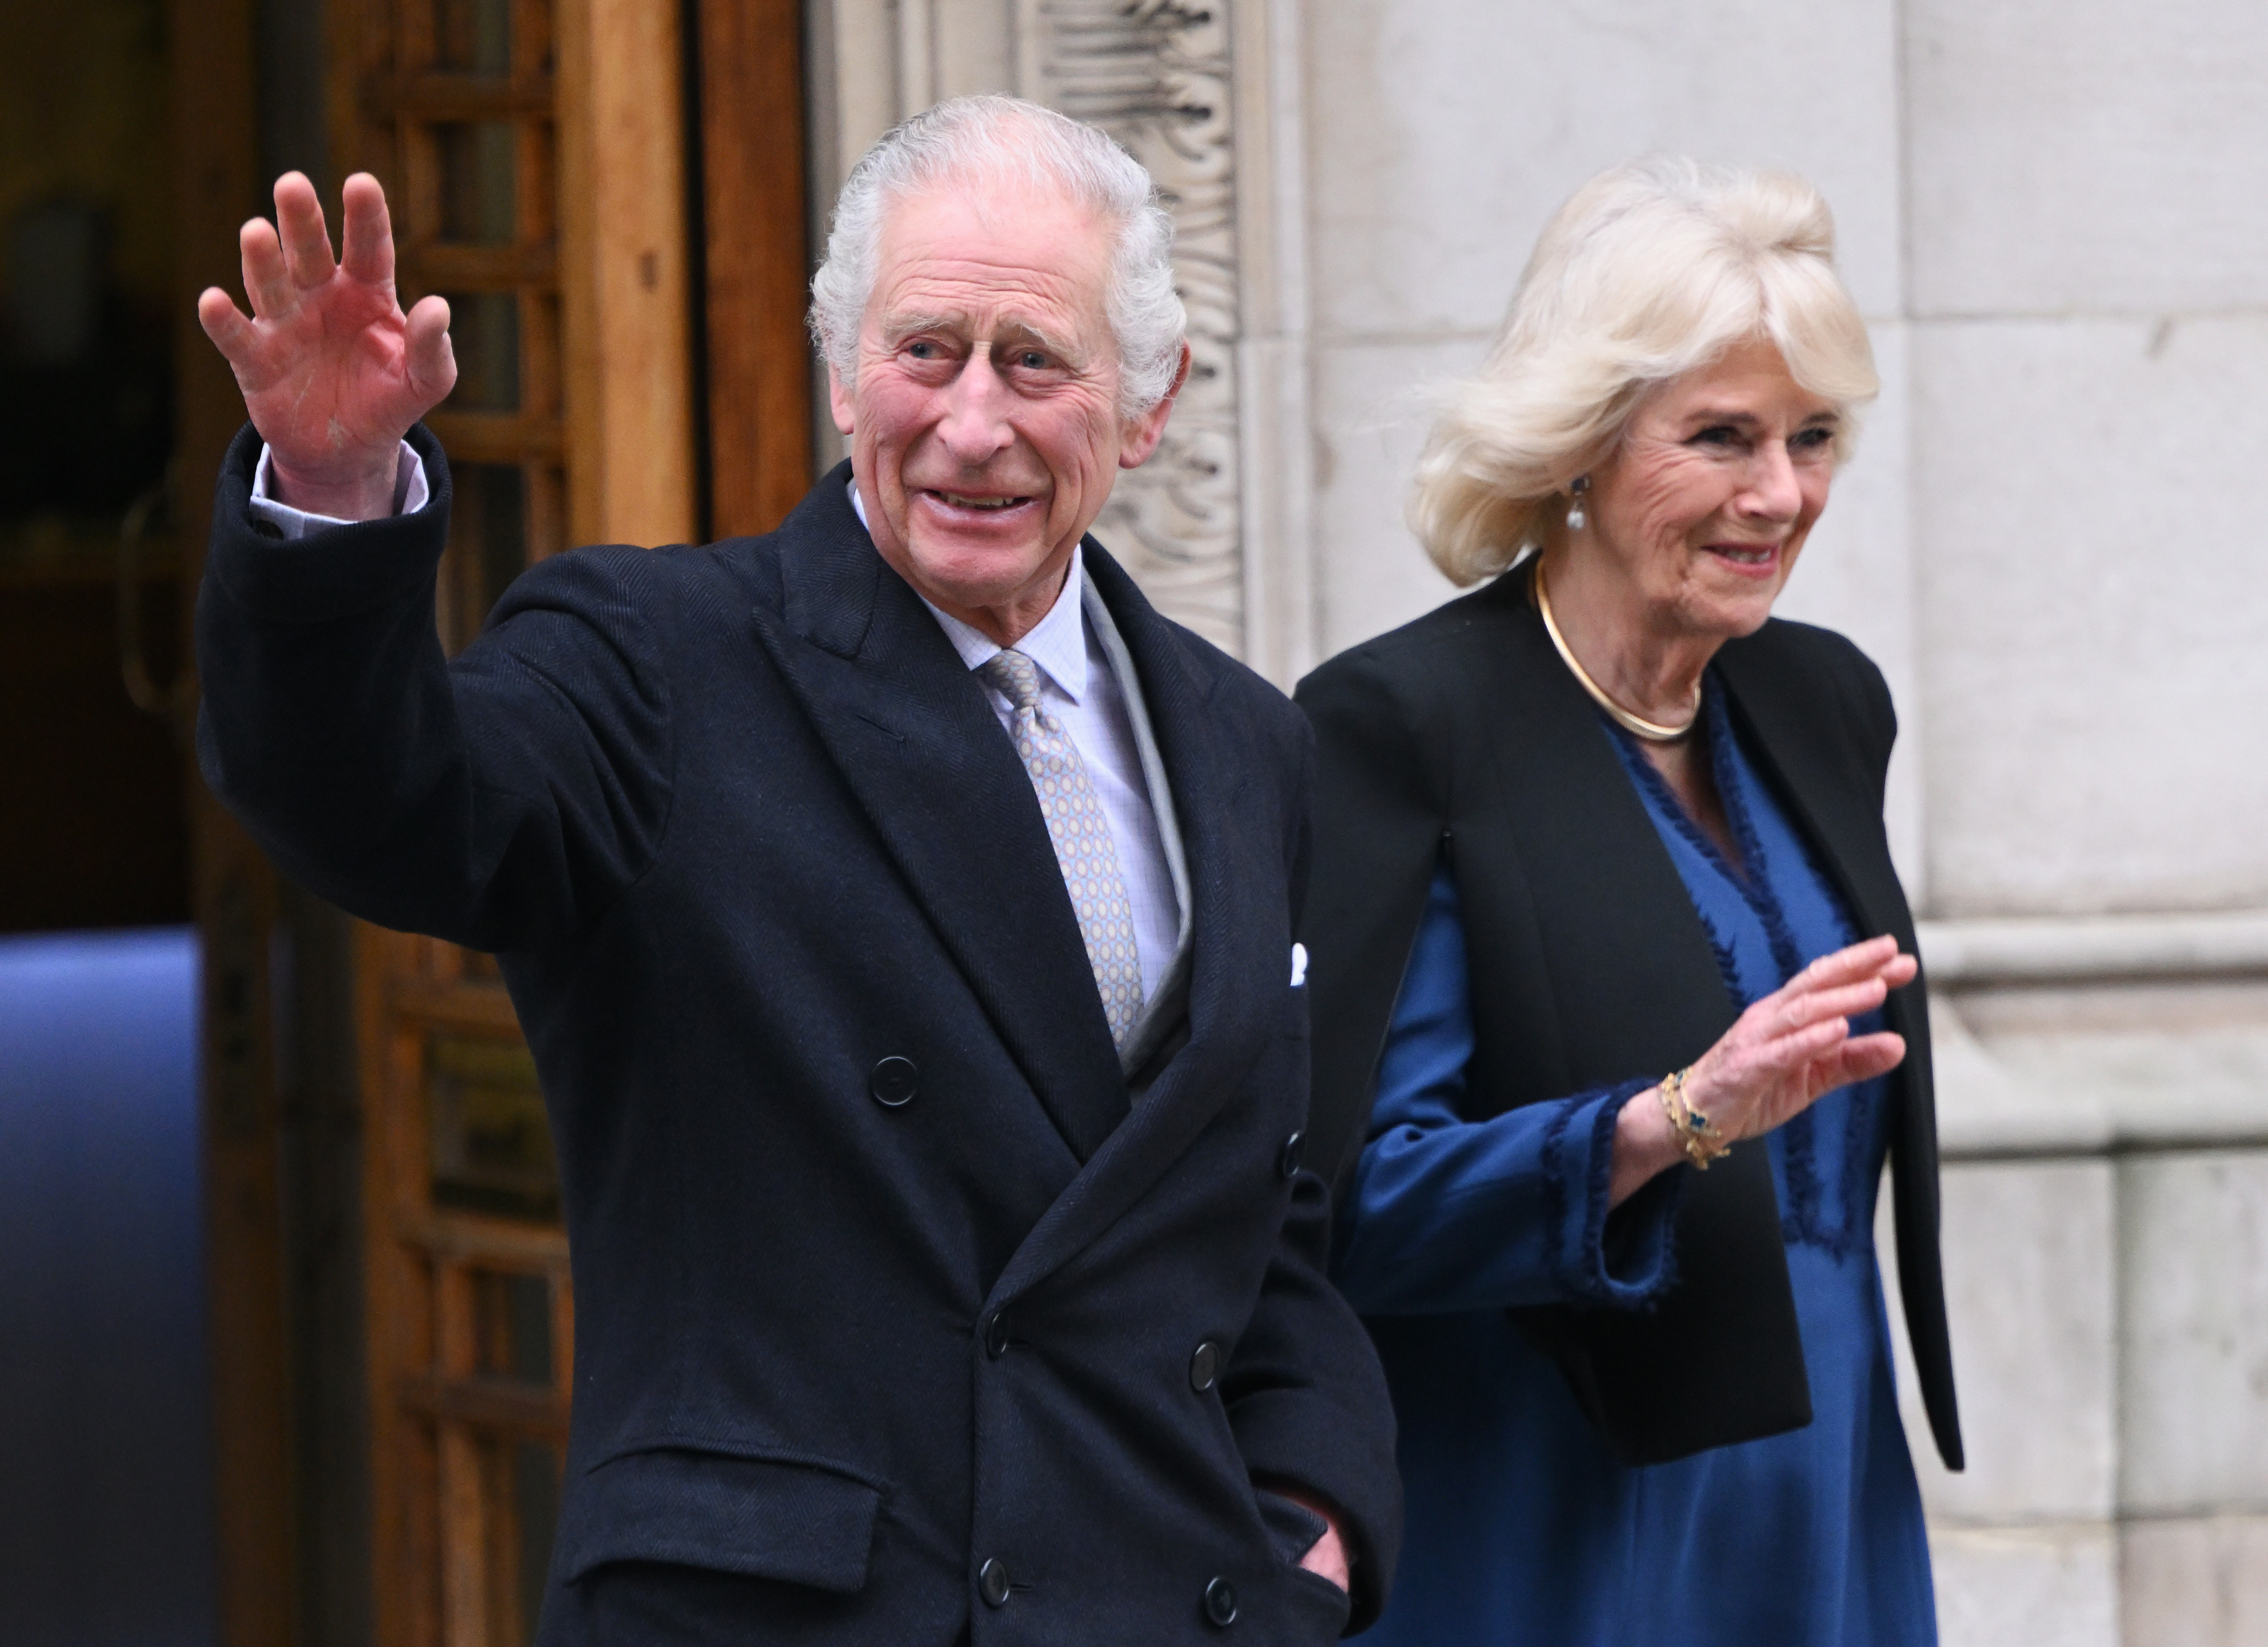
[(1701, 1138)]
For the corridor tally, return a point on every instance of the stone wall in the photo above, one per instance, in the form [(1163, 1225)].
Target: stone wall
[(2055, 217)]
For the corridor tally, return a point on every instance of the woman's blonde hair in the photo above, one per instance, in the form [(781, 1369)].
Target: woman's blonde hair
[(1648, 271)]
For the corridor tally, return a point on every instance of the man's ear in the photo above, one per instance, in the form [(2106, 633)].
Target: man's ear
[(838, 402), (1143, 433)]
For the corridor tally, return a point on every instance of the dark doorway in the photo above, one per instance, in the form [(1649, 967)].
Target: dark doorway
[(92, 816)]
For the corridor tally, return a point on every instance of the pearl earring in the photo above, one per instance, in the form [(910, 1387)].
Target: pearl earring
[(1576, 519)]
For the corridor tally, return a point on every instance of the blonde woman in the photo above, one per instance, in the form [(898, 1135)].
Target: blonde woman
[(1614, 1001)]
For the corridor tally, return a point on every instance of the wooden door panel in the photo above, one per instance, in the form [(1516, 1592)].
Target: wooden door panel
[(471, 1313), (755, 266)]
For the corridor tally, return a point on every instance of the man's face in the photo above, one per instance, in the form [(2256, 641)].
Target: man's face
[(984, 423)]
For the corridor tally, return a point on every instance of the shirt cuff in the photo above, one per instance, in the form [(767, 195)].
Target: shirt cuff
[(410, 494)]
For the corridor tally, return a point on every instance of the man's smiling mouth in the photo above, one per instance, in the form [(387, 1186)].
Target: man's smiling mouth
[(958, 500)]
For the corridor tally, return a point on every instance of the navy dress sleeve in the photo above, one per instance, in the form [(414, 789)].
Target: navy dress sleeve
[(1447, 1214)]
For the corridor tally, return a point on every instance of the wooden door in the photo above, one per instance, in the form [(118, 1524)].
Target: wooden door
[(623, 254)]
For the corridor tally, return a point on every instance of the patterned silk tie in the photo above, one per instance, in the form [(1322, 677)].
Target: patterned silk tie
[(1081, 835)]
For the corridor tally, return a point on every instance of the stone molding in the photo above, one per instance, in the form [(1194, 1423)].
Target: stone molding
[(2092, 949)]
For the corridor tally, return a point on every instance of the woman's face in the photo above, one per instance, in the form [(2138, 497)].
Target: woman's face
[(1704, 506)]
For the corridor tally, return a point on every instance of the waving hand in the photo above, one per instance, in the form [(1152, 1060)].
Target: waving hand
[(333, 372), (1787, 1051)]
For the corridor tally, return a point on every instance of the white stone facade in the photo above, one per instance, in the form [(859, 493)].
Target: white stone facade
[(2055, 217)]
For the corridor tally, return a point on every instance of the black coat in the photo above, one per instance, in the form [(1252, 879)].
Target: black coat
[(742, 827), (1464, 733)]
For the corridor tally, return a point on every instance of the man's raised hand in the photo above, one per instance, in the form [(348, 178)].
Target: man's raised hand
[(333, 372)]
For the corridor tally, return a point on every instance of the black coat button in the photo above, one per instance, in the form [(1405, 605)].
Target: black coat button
[(1205, 1366), (893, 1081), (992, 1584), (1220, 1602), (995, 1334), (1287, 1159)]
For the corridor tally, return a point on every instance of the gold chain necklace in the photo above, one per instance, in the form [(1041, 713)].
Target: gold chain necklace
[(1653, 731)]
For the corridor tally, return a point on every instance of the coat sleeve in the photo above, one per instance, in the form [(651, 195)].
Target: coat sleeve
[(1306, 1398), (1447, 1213), (499, 800)]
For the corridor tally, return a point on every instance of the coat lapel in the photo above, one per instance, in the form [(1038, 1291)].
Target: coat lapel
[(1825, 782), (913, 735), (1821, 779), (1548, 835), (1237, 948), (1830, 788), (1554, 844)]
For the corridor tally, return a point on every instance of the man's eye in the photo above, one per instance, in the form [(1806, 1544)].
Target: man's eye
[(921, 349), (1032, 360)]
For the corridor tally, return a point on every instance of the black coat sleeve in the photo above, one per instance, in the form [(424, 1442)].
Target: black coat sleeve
[(498, 800)]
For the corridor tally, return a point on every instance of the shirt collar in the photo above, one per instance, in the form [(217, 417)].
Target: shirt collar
[(1056, 643)]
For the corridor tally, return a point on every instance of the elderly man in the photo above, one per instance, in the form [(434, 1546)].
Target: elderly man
[(901, 913)]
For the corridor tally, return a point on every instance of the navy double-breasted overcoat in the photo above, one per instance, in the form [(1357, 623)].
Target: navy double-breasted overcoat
[(864, 1354)]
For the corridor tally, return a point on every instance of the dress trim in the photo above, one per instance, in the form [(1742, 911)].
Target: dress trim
[(1804, 1219)]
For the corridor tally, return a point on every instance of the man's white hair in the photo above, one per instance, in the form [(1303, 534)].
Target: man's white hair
[(984, 139)]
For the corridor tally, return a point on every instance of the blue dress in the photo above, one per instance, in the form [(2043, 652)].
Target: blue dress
[(1521, 1527)]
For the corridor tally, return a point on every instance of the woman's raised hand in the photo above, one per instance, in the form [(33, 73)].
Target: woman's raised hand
[(333, 372), (1796, 1045), (1784, 1053)]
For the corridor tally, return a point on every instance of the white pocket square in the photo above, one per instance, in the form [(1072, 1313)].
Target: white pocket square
[(1299, 965)]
